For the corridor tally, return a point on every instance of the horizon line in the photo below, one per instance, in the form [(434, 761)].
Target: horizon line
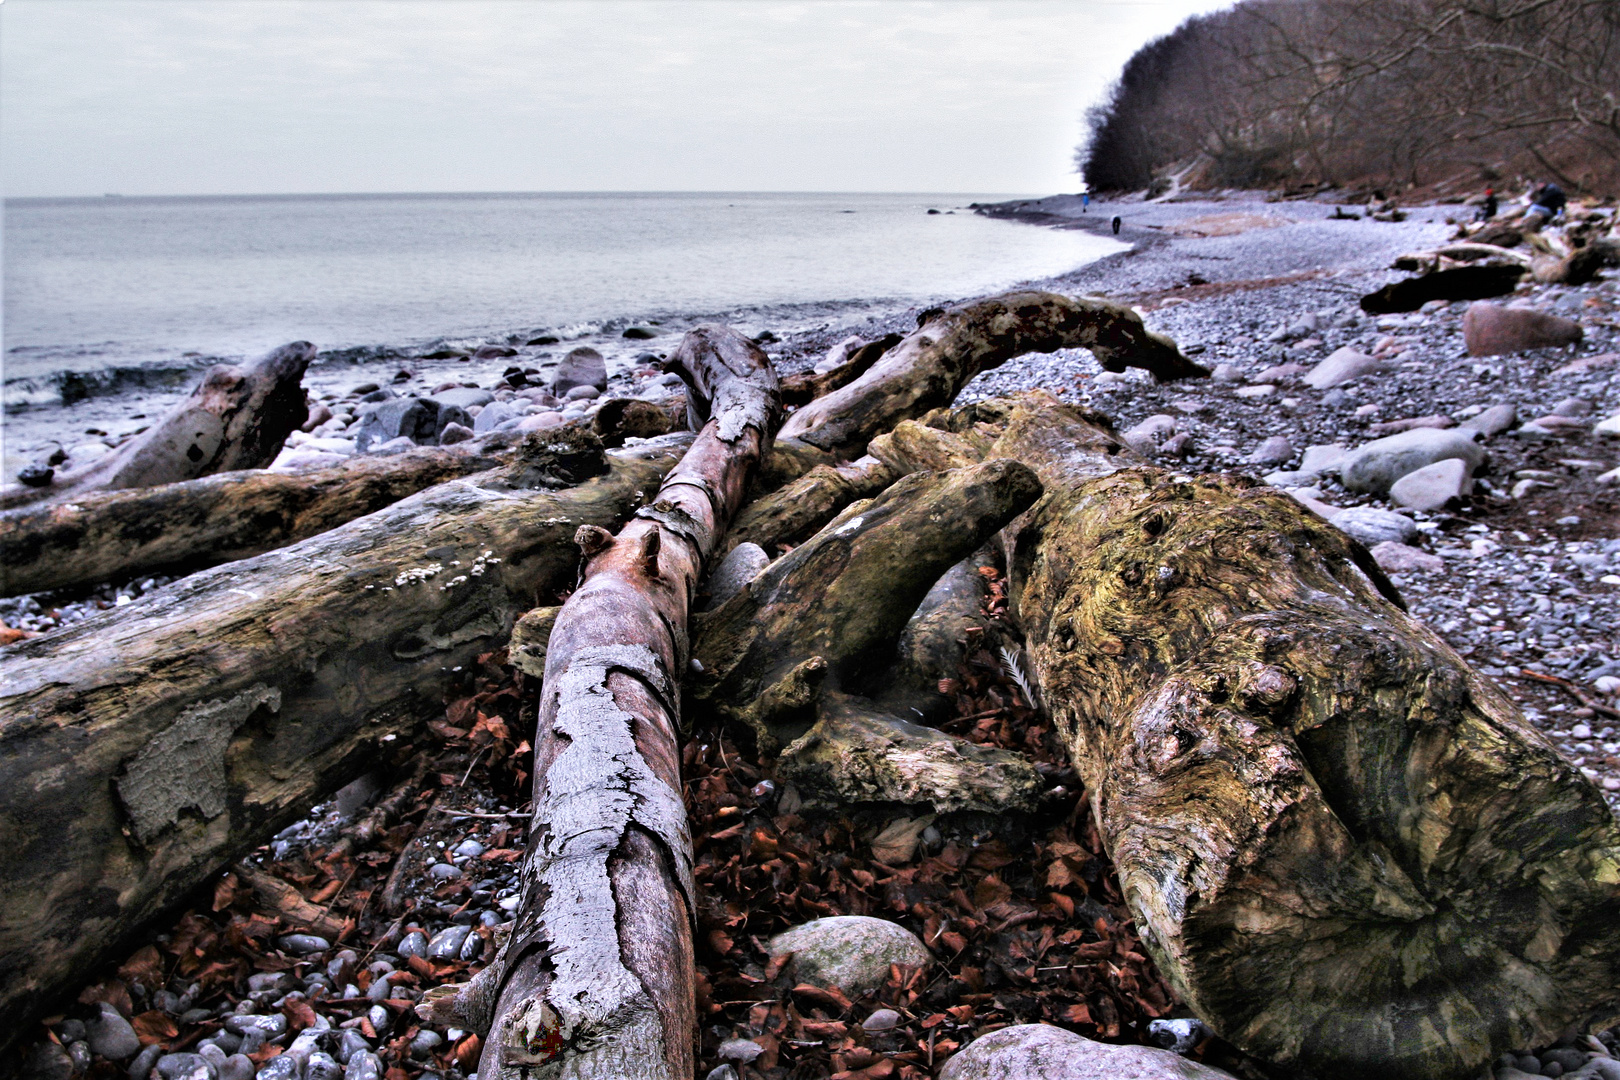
[(494, 193)]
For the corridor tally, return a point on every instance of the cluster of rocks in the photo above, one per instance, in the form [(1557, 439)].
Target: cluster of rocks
[(549, 393), (37, 614)]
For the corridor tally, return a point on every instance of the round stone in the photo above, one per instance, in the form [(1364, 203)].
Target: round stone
[(851, 952)]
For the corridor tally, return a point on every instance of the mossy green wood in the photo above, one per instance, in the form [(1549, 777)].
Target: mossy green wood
[(1345, 849)]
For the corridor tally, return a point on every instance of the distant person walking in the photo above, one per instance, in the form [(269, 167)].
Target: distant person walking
[(1085, 202), (1546, 203), (1115, 224), (1487, 209)]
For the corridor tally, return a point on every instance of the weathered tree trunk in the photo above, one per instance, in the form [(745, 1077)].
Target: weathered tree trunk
[(797, 510), (236, 418), (929, 368), (804, 388), (1344, 849), (145, 748), (789, 655), (117, 535), (596, 978)]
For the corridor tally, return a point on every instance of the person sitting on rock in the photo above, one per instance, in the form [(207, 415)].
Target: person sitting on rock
[(1546, 203)]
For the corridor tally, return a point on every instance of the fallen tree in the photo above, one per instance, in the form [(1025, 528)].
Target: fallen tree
[(194, 524), (147, 747), (236, 418), (596, 977), (1347, 853), (1345, 850)]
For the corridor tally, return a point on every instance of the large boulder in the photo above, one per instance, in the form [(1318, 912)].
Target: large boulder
[(1375, 466), (851, 952), (583, 366), (1044, 1052), (1342, 366), (417, 419), (1491, 329)]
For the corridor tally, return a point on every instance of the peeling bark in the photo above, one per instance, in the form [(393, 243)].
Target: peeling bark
[(596, 978), (236, 418), (144, 748)]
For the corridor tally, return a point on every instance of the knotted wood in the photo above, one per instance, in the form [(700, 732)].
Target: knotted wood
[(1348, 852)]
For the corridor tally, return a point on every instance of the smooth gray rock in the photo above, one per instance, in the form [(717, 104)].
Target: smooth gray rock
[(851, 952), (496, 413), (186, 1067), (417, 419), (1179, 1036), (1394, 557), (447, 943), (1376, 465), (237, 1067), (1573, 406), (738, 568), (582, 393), (1323, 457), (322, 1066), (1373, 526), (881, 1020), (463, 397), (1493, 421), (270, 1026), (455, 433), (281, 982), (1044, 1052), (1342, 366), (304, 944), (414, 943), (1145, 437), (351, 1044), (444, 872), (282, 1067), (1274, 451), (110, 1035), (79, 1054), (363, 1066), (1433, 487), (741, 1051), (141, 1067), (583, 366)]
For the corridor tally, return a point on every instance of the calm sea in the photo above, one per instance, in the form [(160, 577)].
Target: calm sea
[(96, 284)]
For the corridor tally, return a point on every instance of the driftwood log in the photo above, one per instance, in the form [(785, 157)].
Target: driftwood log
[(236, 418), (147, 747), (596, 978), (1346, 851), (929, 368), (191, 525)]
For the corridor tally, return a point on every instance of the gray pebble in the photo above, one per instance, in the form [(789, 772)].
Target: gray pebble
[(742, 1051), (443, 872), (110, 1035), (322, 1066), (363, 1066), (185, 1067), (269, 1026), (281, 1067), (447, 943), (304, 944), (414, 943), (426, 1041), (881, 1020), (351, 1044), (79, 1054), (237, 1067)]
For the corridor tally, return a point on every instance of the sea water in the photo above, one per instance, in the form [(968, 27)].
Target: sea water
[(133, 296)]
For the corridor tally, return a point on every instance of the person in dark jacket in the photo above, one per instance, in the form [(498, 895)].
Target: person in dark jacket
[(1487, 209), (1548, 199)]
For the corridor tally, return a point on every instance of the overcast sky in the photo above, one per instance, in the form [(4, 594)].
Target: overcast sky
[(144, 97)]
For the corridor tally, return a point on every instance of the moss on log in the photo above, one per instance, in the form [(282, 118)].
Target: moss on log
[(1348, 852)]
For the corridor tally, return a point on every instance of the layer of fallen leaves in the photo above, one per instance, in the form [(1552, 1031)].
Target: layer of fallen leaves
[(233, 931), (1023, 915)]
